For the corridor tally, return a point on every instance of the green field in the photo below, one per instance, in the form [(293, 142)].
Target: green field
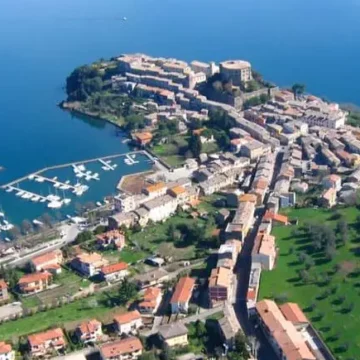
[(331, 297)]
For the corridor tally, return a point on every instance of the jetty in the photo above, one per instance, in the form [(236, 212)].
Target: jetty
[(64, 186), (61, 166)]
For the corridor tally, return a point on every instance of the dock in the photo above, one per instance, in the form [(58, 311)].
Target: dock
[(69, 186), (107, 165), (41, 197)]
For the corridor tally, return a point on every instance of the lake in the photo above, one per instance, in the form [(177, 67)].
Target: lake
[(288, 41)]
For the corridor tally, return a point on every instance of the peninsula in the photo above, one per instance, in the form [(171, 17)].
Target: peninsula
[(243, 244)]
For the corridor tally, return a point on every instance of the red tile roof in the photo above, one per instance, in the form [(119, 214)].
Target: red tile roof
[(183, 290), (90, 326), (113, 268), (47, 257), (3, 284), (39, 276), (150, 297), (293, 313), (120, 347), (5, 348), (40, 338), (127, 317)]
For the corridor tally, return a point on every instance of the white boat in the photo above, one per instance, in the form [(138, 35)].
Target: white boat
[(114, 166), (55, 204), (7, 227), (106, 201), (7, 239), (26, 195), (105, 168), (39, 179), (36, 198), (37, 222), (20, 193), (67, 201), (31, 177), (56, 185), (80, 175), (67, 182), (133, 156), (2, 214), (88, 172), (64, 187), (78, 192), (81, 167), (98, 203), (43, 200), (55, 178), (9, 189), (88, 177)]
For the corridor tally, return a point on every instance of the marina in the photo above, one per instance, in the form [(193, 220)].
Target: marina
[(65, 189)]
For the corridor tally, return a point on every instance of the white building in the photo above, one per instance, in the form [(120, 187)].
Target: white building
[(128, 322), (161, 208)]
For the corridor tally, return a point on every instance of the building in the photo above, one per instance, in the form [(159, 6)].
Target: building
[(4, 294), (283, 335), (114, 272), (229, 326), (46, 342), (49, 261), (264, 251), (33, 283), (128, 322), (151, 300), (151, 278), (89, 331), (174, 335), (328, 198), (125, 349), (220, 285), (112, 238), (294, 314), (253, 289), (155, 190), (242, 222), (332, 181), (181, 297), (236, 71), (88, 264), (142, 138), (277, 218), (161, 207), (252, 149), (122, 218), (6, 351)]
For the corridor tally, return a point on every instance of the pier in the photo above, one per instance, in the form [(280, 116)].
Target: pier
[(106, 164), (38, 173), (40, 197), (68, 186)]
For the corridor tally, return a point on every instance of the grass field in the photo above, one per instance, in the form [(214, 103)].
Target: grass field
[(326, 303)]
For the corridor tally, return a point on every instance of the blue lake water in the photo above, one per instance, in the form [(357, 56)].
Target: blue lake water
[(41, 41)]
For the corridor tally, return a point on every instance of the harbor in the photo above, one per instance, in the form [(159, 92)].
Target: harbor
[(62, 190)]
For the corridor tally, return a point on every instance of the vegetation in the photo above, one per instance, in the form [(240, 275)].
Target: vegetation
[(255, 101), (298, 89), (127, 292), (318, 267), (195, 145)]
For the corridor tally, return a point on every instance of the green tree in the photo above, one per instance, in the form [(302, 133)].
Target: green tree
[(127, 292), (195, 145), (241, 348), (26, 227), (83, 237), (298, 89)]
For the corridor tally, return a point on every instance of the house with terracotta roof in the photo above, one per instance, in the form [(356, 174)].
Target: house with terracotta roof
[(286, 340), (174, 335), (128, 322), (46, 342), (6, 351), (33, 283), (179, 192), (270, 216), (112, 238), (4, 293), (114, 272), (328, 198), (151, 300), (89, 331), (155, 190), (124, 349), (294, 314), (220, 285), (49, 261), (142, 138), (332, 181), (264, 251), (181, 297), (88, 264)]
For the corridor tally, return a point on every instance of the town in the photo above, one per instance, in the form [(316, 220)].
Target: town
[(176, 270)]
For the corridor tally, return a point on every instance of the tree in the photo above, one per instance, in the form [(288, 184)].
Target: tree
[(26, 227), (47, 219), (330, 252), (127, 291), (298, 89), (14, 232), (195, 145), (241, 348), (305, 276), (148, 356), (83, 237)]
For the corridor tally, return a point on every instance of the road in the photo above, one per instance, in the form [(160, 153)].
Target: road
[(242, 269), (71, 231)]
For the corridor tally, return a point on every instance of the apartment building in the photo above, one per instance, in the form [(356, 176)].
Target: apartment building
[(229, 326), (89, 331), (161, 207), (33, 283), (328, 198), (155, 190), (220, 285), (43, 343), (50, 261), (128, 322), (173, 335), (182, 294), (242, 222), (124, 349), (264, 251), (88, 264), (332, 181), (283, 335)]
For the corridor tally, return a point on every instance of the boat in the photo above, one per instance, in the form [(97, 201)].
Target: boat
[(6, 227), (105, 168), (88, 172), (43, 200), (9, 189), (2, 214), (114, 166), (98, 203), (20, 193), (64, 187), (55, 178), (67, 182), (81, 167), (67, 201), (88, 178), (39, 179), (36, 198), (56, 185), (25, 195), (133, 156), (7, 239), (80, 175), (106, 201), (31, 177), (55, 204), (37, 222)]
